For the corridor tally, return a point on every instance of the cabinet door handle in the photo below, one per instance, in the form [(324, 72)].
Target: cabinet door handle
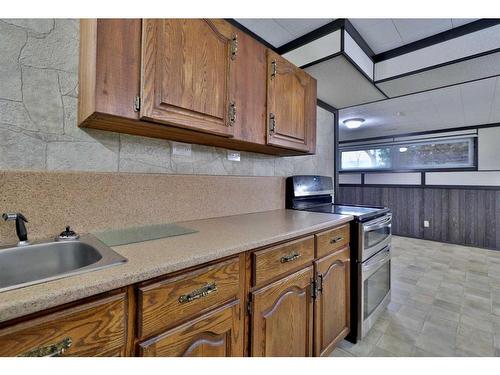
[(336, 239), (198, 293), (290, 257), (52, 350)]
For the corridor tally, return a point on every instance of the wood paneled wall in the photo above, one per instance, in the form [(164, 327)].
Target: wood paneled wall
[(464, 216)]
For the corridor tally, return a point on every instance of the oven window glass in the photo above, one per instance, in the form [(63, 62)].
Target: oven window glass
[(376, 288), (376, 236)]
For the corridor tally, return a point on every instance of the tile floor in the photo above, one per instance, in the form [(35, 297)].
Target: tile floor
[(445, 302)]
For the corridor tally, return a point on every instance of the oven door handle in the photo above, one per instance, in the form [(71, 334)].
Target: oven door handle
[(378, 260), (385, 222)]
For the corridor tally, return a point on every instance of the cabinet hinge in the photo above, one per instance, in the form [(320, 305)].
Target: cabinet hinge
[(314, 288), (272, 123), (249, 307), (137, 103), (234, 46), (274, 69), (232, 113), (319, 281)]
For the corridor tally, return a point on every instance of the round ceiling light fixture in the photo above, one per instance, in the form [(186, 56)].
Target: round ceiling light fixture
[(354, 123)]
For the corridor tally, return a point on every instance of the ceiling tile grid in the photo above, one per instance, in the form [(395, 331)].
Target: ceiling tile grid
[(279, 31), (383, 34)]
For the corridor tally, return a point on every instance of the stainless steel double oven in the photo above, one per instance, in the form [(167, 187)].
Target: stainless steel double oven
[(370, 247), (374, 270)]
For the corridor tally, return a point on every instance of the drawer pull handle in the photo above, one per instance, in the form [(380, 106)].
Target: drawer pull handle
[(198, 293), (336, 239), (53, 350), (290, 257)]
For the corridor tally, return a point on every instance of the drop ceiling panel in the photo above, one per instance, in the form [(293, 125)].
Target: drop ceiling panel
[(380, 33), (269, 30), (279, 31), (315, 50), (358, 55), (412, 29), (477, 98), (383, 34), (302, 26), (467, 104), (453, 49), (468, 70), (340, 84)]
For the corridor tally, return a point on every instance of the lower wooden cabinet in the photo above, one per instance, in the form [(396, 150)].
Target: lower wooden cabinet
[(331, 312), (273, 302), (91, 329), (215, 334), (282, 317)]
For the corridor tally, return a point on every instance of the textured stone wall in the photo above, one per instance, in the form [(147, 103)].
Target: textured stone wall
[(38, 106)]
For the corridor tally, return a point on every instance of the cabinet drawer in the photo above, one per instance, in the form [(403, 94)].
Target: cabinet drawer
[(332, 240), (169, 302), (96, 328), (278, 260)]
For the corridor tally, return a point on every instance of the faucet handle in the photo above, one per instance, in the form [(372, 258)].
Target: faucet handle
[(21, 231), (68, 235), (8, 216)]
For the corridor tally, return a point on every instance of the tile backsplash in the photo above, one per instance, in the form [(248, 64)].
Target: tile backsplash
[(38, 111)]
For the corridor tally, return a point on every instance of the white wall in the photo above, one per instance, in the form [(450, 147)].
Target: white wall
[(489, 149)]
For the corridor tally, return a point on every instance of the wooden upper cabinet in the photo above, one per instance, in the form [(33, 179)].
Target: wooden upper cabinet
[(332, 305), (193, 80), (187, 74), (282, 317), (249, 87), (291, 105)]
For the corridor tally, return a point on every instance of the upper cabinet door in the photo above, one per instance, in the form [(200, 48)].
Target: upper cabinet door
[(187, 74), (291, 105)]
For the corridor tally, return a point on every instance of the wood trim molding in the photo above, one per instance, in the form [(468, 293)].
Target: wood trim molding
[(87, 69)]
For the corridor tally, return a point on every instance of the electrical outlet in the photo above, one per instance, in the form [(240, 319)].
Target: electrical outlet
[(426, 223), (181, 149), (233, 156)]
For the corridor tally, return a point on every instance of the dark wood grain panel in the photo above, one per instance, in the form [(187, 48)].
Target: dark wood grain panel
[(464, 216)]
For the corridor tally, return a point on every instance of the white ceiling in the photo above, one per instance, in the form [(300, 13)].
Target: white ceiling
[(383, 34), (279, 31), (467, 104)]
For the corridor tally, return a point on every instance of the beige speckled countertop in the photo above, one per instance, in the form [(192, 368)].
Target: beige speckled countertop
[(216, 238)]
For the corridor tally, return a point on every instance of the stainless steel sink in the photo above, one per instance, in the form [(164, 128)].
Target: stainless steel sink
[(36, 263)]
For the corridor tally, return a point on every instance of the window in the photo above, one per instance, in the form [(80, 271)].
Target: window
[(375, 158), (413, 155)]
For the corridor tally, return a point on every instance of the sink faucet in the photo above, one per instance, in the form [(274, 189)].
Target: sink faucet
[(21, 231)]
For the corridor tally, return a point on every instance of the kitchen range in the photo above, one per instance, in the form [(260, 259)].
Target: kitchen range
[(370, 247)]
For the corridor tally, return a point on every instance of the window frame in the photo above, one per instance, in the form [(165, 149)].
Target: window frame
[(394, 163)]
